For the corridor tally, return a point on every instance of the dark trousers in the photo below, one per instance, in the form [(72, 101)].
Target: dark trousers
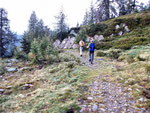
[(91, 56)]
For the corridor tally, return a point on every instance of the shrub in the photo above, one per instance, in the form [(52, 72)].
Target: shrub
[(93, 29), (101, 54), (43, 51), (2, 67), (20, 54), (147, 68), (114, 53), (130, 59)]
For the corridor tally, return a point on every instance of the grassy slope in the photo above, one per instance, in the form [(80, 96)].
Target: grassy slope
[(55, 88), (139, 25)]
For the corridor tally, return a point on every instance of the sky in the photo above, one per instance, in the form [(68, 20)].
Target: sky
[(19, 11)]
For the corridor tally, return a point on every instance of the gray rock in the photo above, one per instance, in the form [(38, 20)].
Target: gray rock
[(98, 38), (117, 27), (95, 107), (126, 29), (111, 35), (73, 33), (56, 43), (11, 69), (75, 46), (62, 45), (88, 39), (90, 98), (123, 25), (1, 90), (141, 99), (120, 33), (25, 68)]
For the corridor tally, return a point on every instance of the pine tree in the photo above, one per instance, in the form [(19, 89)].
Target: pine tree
[(33, 22), (92, 14), (61, 26), (6, 36), (86, 18), (106, 9)]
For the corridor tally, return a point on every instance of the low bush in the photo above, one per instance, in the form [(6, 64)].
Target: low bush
[(130, 59), (2, 67), (20, 55), (101, 54), (114, 53), (43, 51)]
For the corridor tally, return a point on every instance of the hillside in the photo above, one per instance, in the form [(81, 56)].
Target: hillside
[(118, 81)]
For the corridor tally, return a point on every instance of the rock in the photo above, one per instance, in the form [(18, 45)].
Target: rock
[(141, 99), (21, 95), (9, 87), (56, 43), (72, 40), (9, 64), (98, 38), (95, 107), (11, 69), (111, 35), (25, 68), (129, 89), (73, 33), (117, 27), (123, 25), (27, 86), (62, 45), (1, 91), (75, 46), (120, 33), (90, 98), (102, 109), (126, 29), (88, 39)]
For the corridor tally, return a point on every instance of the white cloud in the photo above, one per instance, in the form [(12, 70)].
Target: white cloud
[(19, 11)]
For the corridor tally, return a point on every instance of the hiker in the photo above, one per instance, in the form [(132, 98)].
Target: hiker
[(91, 47), (81, 43)]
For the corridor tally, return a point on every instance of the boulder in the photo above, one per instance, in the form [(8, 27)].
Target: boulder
[(117, 27), (11, 69), (98, 38), (123, 25), (75, 46), (88, 39), (67, 45), (126, 29), (25, 68), (72, 40), (120, 33), (1, 91), (56, 43), (95, 107), (111, 35), (62, 45)]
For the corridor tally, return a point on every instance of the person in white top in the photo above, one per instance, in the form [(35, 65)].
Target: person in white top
[(81, 43)]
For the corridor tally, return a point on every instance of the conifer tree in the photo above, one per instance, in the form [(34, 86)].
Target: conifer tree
[(6, 36)]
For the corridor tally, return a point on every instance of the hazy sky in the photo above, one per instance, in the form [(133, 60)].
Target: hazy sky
[(19, 11)]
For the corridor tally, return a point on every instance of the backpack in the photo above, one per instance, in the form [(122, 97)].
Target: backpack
[(82, 43), (92, 47)]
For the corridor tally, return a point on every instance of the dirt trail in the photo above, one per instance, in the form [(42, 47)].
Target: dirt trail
[(104, 96)]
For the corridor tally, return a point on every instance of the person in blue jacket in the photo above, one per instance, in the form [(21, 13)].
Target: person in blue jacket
[(91, 47)]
